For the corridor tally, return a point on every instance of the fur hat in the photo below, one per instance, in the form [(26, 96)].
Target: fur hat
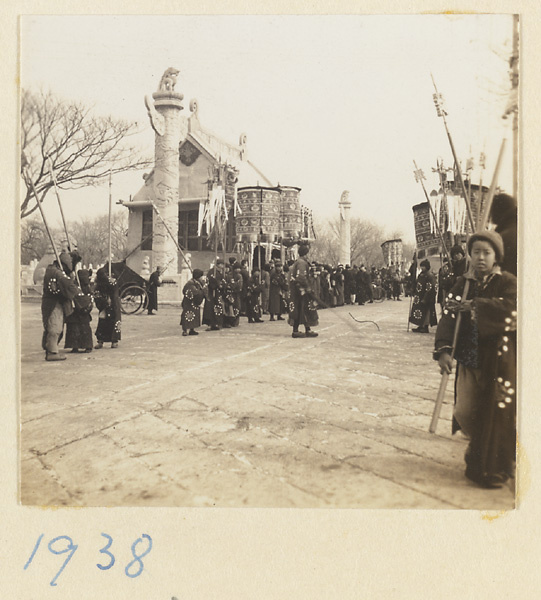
[(504, 209), (456, 249), (197, 273), (425, 263), (303, 250), (493, 238)]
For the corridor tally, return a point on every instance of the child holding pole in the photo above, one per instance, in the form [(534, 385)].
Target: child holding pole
[(485, 385)]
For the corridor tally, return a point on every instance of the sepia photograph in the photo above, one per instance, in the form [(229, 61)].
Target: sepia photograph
[(327, 202)]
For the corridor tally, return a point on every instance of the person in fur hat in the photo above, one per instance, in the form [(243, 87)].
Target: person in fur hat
[(504, 215), (423, 309), (485, 386), (78, 330)]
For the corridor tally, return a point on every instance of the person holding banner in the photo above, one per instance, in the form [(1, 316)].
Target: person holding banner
[(485, 388)]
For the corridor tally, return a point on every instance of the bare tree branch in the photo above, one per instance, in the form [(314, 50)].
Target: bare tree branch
[(83, 148)]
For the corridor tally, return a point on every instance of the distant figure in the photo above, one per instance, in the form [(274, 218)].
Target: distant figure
[(302, 310), (277, 292), (193, 294), (78, 331), (154, 283), (108, 303), (423, 310)]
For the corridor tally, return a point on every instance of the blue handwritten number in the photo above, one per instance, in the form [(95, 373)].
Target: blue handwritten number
[(105, 550), (71, 547), (33, 552), (137, 557)]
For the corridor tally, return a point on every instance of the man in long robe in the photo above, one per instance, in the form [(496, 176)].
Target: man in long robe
[(423, 310), (58, 292)]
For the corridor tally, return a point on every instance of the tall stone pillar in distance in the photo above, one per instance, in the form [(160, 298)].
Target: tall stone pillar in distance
[(345, 229), (164, 111)]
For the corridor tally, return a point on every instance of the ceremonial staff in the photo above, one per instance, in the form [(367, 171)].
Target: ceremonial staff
[(419, 176), (110, 213), (482, 225), (53, 178), (27, 177), (171, 234), (438, 101)]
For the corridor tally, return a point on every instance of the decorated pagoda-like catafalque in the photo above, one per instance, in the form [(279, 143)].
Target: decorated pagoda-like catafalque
[(205, 195)]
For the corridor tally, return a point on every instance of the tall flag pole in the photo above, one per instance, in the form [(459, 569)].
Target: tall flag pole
[(110, 218), (419, 177), (28, 178), (171, 235), (438, 101), (53, 178)]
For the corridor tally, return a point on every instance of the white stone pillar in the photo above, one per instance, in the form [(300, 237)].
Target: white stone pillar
[(345, 229), (166, 120)]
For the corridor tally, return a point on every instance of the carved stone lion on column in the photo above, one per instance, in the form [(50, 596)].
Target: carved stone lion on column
[(168, 80)]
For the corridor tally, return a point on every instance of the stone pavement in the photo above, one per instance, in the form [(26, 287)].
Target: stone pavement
[(244, 417)]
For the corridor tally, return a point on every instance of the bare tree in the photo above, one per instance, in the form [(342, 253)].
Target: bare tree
[(92, 236), (34, 240), (83, 148), (366, 239)]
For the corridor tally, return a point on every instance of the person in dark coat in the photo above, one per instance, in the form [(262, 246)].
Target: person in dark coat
[(253, 297), (78, 331), (193, 293), (302, 306), (154, 283), (58, 292), (349, 284), (232, 296), (485, 382), (423, 310), (504, 215), (213, 310), (107, 302), (277, 291)]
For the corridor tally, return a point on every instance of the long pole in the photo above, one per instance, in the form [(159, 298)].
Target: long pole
[(515, 76), (433, 215), (442, 113), (110, 218), (28, 179), (484, 220), (53, 178), (171, 235)]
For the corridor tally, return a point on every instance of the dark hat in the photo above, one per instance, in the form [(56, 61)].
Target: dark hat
[(236, 266), (197, 273), (425, 263), (493, 238), (220, 261), (232, 260), (504, 208), (456, 249), (303, 250)]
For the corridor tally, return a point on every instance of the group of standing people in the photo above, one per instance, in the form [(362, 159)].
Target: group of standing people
[(229, 291), (68, 299)]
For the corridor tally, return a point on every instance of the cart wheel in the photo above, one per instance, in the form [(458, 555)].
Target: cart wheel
[(132, 299)]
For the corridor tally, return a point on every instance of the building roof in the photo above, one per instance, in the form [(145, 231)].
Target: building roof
[(216, 150)]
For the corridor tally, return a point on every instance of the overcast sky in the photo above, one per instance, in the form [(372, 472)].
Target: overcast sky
[(329, 103)]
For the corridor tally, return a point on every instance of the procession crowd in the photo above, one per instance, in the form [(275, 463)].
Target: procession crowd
[(476, 287)]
